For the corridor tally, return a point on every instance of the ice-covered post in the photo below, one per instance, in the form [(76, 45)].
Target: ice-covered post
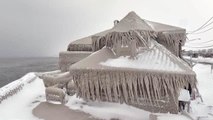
[(133, 49)]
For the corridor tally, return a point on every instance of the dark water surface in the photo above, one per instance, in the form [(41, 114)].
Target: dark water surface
[(14, 68)]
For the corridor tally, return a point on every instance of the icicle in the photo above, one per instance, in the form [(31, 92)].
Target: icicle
[(114, 88), (129, 86), (118, 80), (83, 88), (139, 86), (155, 88), (92, 86), (86, 85), (146, 80), (108, 85), (144, 93), (102, 92), (97, 87), (135, 87), (124, 88)]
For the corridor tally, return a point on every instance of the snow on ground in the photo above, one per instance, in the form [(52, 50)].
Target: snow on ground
[(19, 106), (172, 117), (205, 86), (16, 83), (205, 82), (200, 59), (106, 110)]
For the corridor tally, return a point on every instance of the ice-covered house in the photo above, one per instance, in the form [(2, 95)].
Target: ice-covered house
[(137, 62), (169, 36)]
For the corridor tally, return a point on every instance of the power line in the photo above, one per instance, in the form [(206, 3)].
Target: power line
[(207, 25), (203, 26), (204, 31)]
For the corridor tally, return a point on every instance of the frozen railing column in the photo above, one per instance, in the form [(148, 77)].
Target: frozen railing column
[(54, 93), (58, 86)]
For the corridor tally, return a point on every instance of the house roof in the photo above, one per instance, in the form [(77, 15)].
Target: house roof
[(131, 22), (88, 39), (157, 59), (160, 27)]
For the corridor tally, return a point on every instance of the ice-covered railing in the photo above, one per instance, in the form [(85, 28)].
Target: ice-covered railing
[(15, 86)]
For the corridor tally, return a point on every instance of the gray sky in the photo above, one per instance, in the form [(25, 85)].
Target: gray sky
[(45, 27)]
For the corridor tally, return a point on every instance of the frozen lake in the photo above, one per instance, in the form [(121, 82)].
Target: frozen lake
[(14, 68)]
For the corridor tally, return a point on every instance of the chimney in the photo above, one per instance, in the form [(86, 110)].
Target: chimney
[(116, 22)]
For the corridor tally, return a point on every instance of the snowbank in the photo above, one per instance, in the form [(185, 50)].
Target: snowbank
[(19, 106), (15, 86)]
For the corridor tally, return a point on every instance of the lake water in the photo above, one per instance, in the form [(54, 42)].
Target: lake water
[(14, 68)]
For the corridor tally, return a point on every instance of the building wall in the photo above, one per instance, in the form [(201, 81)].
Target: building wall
[(68, 58), (173, 41)]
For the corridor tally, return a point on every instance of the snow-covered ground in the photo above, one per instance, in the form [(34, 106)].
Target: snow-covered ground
[(105, 110), (20, 106), (200, 59), (205, 82)]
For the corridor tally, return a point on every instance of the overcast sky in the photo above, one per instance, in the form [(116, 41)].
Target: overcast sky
[(45, 27)]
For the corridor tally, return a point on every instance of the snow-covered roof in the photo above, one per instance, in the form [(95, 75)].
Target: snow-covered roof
[(130, 22), (157, 58), (160, 27), (88, 40), (153, 59)]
